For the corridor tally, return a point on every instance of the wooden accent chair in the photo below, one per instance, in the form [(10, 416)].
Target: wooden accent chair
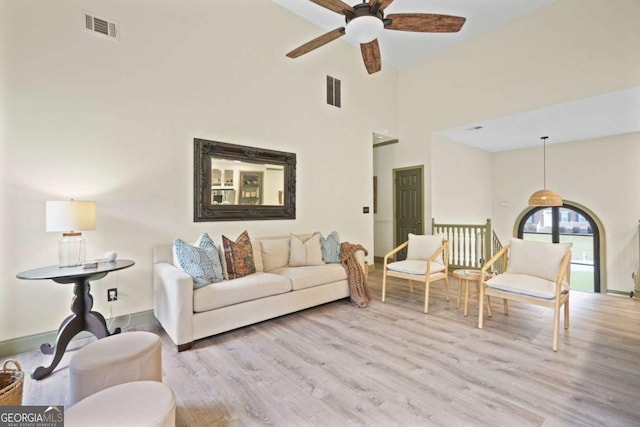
[(536, 273), (427, 261)]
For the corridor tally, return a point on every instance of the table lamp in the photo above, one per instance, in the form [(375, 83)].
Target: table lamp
[(71, 217)]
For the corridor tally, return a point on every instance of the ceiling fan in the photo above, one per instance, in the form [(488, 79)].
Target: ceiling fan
[(365, 21)]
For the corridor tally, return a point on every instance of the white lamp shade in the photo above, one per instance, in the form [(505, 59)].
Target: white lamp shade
[(364, 29), (70, 215)]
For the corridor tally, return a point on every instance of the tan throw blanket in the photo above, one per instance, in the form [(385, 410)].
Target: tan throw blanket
[(358, 288)]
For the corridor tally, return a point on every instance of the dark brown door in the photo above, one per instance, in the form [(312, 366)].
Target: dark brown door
[(408, 204)]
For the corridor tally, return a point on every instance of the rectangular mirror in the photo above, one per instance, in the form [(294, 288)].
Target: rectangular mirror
[(239, 183)]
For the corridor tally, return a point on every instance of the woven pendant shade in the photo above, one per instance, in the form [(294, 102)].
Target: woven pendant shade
[(545, 197)]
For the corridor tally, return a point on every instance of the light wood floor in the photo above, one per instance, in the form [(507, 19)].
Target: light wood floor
[(392, 365)]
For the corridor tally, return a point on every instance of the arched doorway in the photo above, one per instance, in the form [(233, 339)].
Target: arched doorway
[(569, 223)]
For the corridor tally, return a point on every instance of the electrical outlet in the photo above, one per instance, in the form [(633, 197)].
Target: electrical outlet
[(112, 294)]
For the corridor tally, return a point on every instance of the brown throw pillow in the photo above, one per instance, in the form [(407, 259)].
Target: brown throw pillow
[(238, 256)]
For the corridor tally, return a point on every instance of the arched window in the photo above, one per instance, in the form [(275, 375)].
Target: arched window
[(568, 223)]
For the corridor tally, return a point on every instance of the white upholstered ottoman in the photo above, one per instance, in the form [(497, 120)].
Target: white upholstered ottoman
[(116, 359), (136, 404)]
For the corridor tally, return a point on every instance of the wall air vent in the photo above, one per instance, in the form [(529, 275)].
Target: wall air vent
[(333, 92), (101, 26)]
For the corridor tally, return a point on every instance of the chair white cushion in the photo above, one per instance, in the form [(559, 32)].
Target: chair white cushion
[(539, 259), (414, 266), (422, 247), (524, 284)]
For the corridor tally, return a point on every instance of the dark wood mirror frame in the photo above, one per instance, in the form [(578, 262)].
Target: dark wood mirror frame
[(204, 210)]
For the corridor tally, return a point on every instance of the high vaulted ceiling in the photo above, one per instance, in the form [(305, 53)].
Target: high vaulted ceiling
[(599, 116)]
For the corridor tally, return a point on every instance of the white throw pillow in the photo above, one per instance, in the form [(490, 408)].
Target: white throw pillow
[(540, 259), (305, 251), (423, 247), (275, 253)]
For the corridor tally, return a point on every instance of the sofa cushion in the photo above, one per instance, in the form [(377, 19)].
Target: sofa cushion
[(423, 247), (200, 261), (275, 253), (414, 266), (540, 259), (238, 256), (524, 284), (305, 250), (247, 288), (313, 275), (331, 248)]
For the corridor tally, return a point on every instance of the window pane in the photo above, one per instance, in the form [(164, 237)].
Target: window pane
[(582, 248), (572, 222), (582, 278), (538, 226), (537, 237)]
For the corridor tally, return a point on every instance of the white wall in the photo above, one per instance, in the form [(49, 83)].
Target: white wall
[(114, 122), (568, 50), (601, 174), (457, 186), (403, 154), (461, 182)]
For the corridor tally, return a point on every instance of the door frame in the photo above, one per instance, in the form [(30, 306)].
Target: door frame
[(394, 181)]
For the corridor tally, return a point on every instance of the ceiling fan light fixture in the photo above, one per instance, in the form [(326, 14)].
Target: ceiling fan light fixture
[(364, 29)]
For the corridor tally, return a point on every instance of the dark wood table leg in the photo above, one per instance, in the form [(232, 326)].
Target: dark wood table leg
[(47, 348), (82, 319), (69, 331)]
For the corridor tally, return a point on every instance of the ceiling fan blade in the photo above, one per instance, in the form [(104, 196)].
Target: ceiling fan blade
[(425, 22), (337, 6), (316, 43), (371, 56), (383, 3)]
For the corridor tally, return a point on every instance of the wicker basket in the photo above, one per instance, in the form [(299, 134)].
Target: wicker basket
[(11, 382)]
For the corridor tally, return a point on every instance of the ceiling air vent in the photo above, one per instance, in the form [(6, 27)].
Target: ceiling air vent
[(101, 26)]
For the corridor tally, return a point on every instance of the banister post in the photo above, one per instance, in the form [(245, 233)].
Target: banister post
[(488, 241)]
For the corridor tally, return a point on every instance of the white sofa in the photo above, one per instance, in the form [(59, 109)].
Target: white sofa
[(274, 290)]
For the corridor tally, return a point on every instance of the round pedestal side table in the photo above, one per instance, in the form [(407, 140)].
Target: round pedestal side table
[(82, 318)]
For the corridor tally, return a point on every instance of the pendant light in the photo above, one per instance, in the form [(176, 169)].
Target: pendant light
[(545, 197)]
